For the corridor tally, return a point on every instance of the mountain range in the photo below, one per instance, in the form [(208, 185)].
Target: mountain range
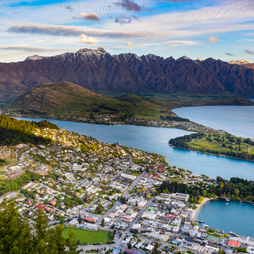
[(100, 71)]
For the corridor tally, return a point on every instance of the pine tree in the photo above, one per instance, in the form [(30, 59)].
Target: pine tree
[(71, 243), (42, 233), (15, 235), (79, 219), (59, 240)]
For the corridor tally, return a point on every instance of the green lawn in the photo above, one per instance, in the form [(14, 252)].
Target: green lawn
[(2, 172), (84, 236)]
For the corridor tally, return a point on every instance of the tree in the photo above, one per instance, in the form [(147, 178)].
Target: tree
[(58, 240), (148, 196), (221, 251), (61, 219), (15, 234), (71, 243), (103, 222), (79, 219), (42, 233)]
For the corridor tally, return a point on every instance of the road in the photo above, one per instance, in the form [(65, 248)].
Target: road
[(134, 183), (123, 171)]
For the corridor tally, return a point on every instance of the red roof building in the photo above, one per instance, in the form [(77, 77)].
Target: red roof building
[(234, 244), (131, 251), (90, 219)]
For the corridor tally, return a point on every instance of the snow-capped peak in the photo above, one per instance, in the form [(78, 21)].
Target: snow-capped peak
[(34, 57)]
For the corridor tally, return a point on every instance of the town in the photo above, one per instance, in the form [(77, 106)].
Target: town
[(109, 119), (108, 194)]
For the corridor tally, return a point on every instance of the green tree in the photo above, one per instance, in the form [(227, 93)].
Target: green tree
[(15, 234), (42, 233), (58, 241), (204, 193), (71, 243), (103, 222), (221, 251), (79, 219)]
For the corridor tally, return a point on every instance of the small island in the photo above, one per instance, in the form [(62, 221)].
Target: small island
[(217, 143)]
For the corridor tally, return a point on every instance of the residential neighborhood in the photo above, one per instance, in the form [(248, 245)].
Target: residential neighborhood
[(98, 187)]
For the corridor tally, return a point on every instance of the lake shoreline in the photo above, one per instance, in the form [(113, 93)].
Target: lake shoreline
[(194, 212), (212, 154)]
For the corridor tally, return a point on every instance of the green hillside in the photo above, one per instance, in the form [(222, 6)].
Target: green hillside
[(65, 99)]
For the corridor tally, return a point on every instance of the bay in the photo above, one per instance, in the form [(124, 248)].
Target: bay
[(236, 217), (237, 120), (155, 140)]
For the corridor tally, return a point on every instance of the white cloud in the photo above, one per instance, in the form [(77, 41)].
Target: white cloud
[(31, 48), (88, 39), (212, 40), (74, 31), (90, 16)]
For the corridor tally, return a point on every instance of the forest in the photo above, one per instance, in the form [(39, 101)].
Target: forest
[(17, 236), (13, 131), (7, 185), (218, 144), (235, 189)]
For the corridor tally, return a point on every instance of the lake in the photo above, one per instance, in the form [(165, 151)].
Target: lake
[(235, 217), (237, 120), (155, 140)]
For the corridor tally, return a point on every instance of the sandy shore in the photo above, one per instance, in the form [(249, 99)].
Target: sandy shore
[(194, 212)]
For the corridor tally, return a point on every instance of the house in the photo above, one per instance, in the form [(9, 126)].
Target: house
[(116, 250), (234, 244), (53, 202), (130, 251)]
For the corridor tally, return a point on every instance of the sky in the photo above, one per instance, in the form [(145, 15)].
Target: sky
[(221, 29)]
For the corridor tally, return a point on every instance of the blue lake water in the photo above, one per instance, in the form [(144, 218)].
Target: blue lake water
[(235, 217), (155, 140), (237, 120)]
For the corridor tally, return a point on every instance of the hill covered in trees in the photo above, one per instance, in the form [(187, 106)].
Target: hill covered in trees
[(13, 131), (219, 144)]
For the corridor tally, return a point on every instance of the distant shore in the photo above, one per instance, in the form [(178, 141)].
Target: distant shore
[(194, 212)]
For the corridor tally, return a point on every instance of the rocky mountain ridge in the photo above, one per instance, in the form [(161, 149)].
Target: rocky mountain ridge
[(98, 71)]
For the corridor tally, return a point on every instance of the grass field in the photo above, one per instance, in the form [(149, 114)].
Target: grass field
[(7, 161), (217, 146), (2, 172), (86, 236)]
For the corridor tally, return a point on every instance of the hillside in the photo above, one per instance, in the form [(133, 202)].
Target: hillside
[(63, 99), (101, 72)]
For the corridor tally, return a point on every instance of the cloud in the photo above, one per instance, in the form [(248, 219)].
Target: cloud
[(229, 54), (130, 44), (176, 1), (172, 43), (210, 40), (122, 19), (68, 7), (58, 30), (31, 49), (249, 52), (88, 39), (90, 16), (129, 5)]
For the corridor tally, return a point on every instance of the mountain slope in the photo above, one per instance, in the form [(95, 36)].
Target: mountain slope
[(65, 99), (99, 71)]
